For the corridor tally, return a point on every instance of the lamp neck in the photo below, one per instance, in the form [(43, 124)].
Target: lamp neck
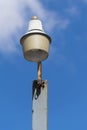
[(39, 70)]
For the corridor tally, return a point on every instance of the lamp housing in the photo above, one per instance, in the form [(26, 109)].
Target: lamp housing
[(35, 43)]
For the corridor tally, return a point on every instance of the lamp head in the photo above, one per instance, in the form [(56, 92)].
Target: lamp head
[(35, 42)]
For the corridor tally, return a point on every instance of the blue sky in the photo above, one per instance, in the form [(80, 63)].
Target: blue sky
[(65, 69)]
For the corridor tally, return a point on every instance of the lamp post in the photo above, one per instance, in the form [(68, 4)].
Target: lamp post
[(35, 44)]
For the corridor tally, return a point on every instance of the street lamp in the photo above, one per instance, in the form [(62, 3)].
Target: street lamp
[(35, 44)]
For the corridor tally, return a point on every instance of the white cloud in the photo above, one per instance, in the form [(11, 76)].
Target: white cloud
[(84, 1), (73, 11), (51, 19), (36, 7), (12, 20)]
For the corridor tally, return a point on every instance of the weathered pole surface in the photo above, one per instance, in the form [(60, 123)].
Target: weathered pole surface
[(40, 105)]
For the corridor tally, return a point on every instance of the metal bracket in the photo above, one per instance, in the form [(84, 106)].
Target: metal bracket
[(37, 85)]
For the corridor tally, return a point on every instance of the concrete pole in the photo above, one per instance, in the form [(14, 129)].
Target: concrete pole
[(40, 105)]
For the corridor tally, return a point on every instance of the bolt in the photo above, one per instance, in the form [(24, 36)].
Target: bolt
[(34, 18)]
